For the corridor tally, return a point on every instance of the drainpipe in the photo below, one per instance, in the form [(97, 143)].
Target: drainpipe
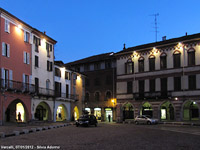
[(3, 96)]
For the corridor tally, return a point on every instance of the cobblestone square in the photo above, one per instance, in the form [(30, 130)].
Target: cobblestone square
[(109, 136)]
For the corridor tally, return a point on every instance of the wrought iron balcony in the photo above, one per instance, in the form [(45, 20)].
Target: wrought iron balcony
[(66, 96), (10, 85), (152, 95), (16, 86), (44, 92)]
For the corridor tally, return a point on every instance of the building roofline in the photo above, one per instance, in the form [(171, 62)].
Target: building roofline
[(94, 58), (173, 41), (34, 29)]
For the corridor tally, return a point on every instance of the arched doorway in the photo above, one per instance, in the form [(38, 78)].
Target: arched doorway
[(167, 111), (16, 112), (43, 112), (190, 111), (128, 111), (146, 109), (61, 113), (76, 113)]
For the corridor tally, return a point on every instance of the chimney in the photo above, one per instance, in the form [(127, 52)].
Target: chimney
[(44, 32), (164, 38), (185, 33), (124, 46)]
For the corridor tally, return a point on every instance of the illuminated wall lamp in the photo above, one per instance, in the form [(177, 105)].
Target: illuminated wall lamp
[(19, 26)]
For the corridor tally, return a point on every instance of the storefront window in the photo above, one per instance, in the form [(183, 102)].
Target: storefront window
[(97, 113)]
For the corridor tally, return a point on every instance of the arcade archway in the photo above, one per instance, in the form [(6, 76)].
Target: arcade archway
[(61, 113), (76, 113), (167, 111), (43, 112), (190, 111), (16, 112), (128, 111), (146, 109)]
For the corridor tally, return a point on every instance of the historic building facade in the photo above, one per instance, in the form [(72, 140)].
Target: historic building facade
[(99, 84), (42, 76), (31, 86), (160, 79), (77, 94), (69, 90), (15, 64)]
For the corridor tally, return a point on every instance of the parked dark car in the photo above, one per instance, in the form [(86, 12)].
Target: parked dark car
[(86, 120)]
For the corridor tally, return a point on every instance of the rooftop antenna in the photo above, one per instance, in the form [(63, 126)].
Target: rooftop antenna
[(156, 24)]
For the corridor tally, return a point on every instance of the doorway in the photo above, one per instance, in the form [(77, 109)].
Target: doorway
[(109, 112)]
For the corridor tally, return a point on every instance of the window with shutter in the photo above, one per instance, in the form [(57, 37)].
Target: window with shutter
[(48, 65), (48, 49), (129, 67), (177, 59), (51, 66), (8, 50), (3, 77), (7, 26), (30, 82), (191, 57), (6, 77), (26, 36), (141, 64), (151, 63), (36, 61), (3, 48), (26, 58), (10, 78), (163, 61)]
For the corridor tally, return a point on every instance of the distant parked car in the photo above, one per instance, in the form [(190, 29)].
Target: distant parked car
[(142, 119), (86, 120)]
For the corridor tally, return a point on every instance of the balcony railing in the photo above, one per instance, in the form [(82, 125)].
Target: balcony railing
[(67, 96), (152, 95), (16, 86), (44, 92), (9, 85)]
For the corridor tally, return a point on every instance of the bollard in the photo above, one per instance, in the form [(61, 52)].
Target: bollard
[(26, 131), (2, 135), (16, 133), (33, 129), (39, 129)]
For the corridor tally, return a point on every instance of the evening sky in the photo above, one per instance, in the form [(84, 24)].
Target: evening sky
[(89, 27)]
